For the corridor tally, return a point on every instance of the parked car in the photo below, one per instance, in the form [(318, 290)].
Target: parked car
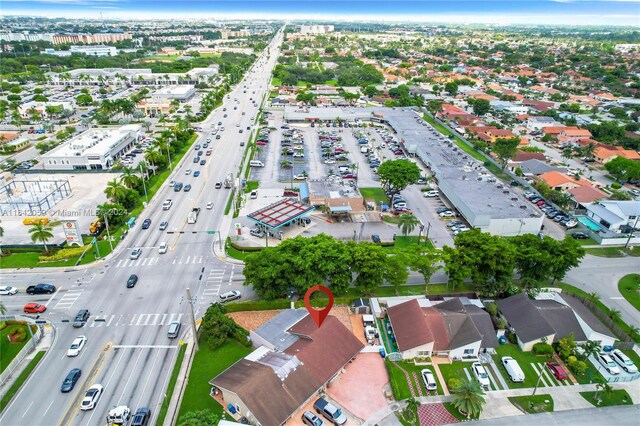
[(375, 238), (34, 308), (41, 289), (579, 236), (557, 371), (481, 374), (607, 362), (447, 214), (429, 380), (91, 397), (431, 194), (230, 295), (81, 318), (76, 346), (513, 369), (330, 411), (132, 281), (623, 361), (442, 209), (256, 232), (310, 419), (71, 380)]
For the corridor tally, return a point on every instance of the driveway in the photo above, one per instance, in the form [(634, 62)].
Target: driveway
[(360, 389)]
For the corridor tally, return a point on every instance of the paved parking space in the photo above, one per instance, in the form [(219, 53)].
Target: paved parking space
[(546, 378), (351, 393)]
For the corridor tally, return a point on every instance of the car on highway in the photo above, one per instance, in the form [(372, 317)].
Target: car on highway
[(230, 295), (132, 281), (162, 249), (196, 160), (164, 225), (8, 291), (557, 371), (135, 253), (607, 362), (481, 374), (41, 289), (71, 380), (218, 185), (206, 144), (146, 224), (209, 205), (203, 162), (187, 172), (217, 136), (76, 346), (81, 318), (196, 173), (177, 187), (208, 153), (174, 329), (34, 308), (375, 238), (187, 188), (141, 417), (91, 397)]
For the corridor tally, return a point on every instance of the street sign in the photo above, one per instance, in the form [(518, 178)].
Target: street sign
[(211, 232)]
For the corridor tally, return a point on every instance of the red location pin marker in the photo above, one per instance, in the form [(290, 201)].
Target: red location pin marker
[(318, 315)]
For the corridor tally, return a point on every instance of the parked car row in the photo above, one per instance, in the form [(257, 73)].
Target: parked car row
[(551, 212)]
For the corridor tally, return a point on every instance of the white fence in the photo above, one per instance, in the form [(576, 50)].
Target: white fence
[(30, 346)]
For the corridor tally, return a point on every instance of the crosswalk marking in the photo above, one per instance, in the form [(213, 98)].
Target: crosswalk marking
[(150, 261), (68, 299), (135, 320)]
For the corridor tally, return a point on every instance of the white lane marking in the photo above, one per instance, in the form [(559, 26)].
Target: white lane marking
[(27, 410), (111, 318), (145, 347), (130, 377), (45, 412)]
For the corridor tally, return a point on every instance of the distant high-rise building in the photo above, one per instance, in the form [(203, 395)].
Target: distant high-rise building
[(316, 29), (75, 38)]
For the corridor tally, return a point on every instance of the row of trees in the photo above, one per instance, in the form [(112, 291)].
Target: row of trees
[(488, 261), (349, 72)]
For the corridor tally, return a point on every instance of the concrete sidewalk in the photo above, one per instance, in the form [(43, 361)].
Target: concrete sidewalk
[(45, 342), (498, 404)]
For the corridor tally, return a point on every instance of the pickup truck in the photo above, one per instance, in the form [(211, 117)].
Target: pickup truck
[(330, 412), (167, 204)]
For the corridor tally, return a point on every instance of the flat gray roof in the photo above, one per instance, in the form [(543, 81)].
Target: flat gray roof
[(275, 330)]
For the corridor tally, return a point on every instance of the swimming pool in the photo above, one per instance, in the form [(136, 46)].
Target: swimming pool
[(589, 223)]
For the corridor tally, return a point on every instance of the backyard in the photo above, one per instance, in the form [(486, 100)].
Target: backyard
[(207, 364)]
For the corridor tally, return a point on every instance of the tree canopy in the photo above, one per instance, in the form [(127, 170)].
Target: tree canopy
[(396, 175)]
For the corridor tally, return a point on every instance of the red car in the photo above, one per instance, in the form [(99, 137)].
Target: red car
[(34, 308), (557, 371), (261, 143), (540, 203)]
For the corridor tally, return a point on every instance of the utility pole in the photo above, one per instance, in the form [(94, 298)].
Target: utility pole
[(193, 320), (106, 223), (631, 233), (144, 185), (538, 382)]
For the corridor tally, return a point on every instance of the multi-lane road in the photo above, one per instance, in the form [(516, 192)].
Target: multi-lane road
[(128, 350)]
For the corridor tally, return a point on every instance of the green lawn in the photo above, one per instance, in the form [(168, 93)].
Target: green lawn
[(172, 384), (207, 364), (9, 350), (524, 359), (398, 380), (405, 241), (15, 387), (454, 370), (276, 82), (376, 194), (588, 242), (605, 251), (629, 287), (252, 185), (617, 397), (533, 404)]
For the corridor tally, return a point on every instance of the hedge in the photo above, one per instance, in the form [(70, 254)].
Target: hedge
[(64, 254)]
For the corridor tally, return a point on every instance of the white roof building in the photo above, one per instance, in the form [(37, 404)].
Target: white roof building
[(94, 149), (28, 108), (180, 92)]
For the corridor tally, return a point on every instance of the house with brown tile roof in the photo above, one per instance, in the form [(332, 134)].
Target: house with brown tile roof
[(273, 382), (450, 329), (562, 182), (587, 194), (605, 153), (538, 105)]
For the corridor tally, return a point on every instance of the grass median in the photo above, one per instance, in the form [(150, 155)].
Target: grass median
[(20, 380)]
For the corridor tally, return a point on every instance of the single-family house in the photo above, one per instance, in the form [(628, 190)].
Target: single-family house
[(549, 317), (536, 167), (536, 123), (605, 153), (561, 181), (587, 194), (614, 215)]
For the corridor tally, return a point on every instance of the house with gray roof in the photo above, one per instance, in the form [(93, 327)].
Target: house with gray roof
[(536, 167), (552, 316), (616, 216), (273, 334)]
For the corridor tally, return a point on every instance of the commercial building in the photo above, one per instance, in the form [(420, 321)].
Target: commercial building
[(154, 108), (181, 93), (333, 196), (316, 29), (485, 202), (138, 76), (94, 149), (71, 38), (43, 109), (94, 50)]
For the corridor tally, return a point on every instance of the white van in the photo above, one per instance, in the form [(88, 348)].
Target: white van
[(256, 163), (513, 369)]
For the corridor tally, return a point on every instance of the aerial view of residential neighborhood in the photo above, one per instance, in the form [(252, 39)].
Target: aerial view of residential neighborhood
[(413, 213)]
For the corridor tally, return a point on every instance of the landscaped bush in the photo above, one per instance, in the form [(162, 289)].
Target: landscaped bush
[(245, 249), (64, 254), (543, 349), (453, 383), (576, 366), (616, 185), (18, 335)]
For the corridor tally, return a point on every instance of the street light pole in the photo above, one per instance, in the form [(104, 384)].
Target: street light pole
[(427, 236), (144, 185), (537, 383), (193, 320), (169, 155), (106, 222), (631, 233)]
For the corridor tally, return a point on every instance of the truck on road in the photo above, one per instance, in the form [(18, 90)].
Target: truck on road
[(228, 181), (118, 415), (193, 215)]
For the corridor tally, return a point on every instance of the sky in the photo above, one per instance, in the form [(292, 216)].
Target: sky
[(553, 12)]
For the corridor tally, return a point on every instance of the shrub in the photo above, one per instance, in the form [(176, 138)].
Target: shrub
[(542, 349), (501, 324), (453, 383), (492, 308), (616, 185), (64, 254), (512, 338), (576, 366), (3, 324)]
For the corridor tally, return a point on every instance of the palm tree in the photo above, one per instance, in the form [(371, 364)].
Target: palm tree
[(41, 233), (407, 223), (115, 190), (602, 386), (3, 309), (591, 347), (411, 410), (615, 314), (468, 398), (128, 177)]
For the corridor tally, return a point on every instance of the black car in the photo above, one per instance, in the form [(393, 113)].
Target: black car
[(580, 236), (81, 318), (146, 224), (203, 162), (71, 380), (217, 136), (187, 188), (142, 416), (177, 187), (131, 282), (41, 289), (375, 238)]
